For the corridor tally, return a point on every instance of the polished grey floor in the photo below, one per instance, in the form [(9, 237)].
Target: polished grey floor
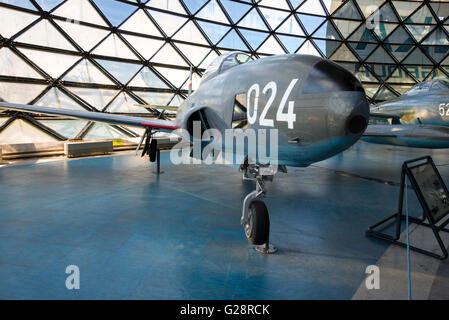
[(178, 236)]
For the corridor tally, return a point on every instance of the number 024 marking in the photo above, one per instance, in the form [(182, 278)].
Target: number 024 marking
[(281, 115)]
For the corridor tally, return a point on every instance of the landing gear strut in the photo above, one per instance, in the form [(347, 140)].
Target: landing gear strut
[(150, 148), (255, 217)]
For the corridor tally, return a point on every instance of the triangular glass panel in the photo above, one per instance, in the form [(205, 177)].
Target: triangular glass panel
[(441, 9), (312, 7), (419, 31), (49, 5), (326, 31), (168, 55), (253, 20), (233, 41), (348, 11), (155, 98), (113, 46), (254, 38), (363, 50), (271, 46), (78, 33), (384, 94), (21, 93), (386, 14), (291, 26), (419, 72), (331, 6), (13, 21), (115, 11), (405, 8), (13, 66), (380, 56), (400, 76), (147, 47), (45, 34), (121, 71), (195, 54), (147, 79), (213, 31), (79, 10), (20, 131), (86, 72), (346, 27), (167, 5), (437, 53), (190, 33), (208, 60), (382, 71), (274, 17), (281, 4), (124, 103), (423, 15), (67, 128), (97, 98), (140, 23), (308, 48), (343, 54), (55, 98), (212, 11), (368, 7), (102, 131), (309, 22), (235, 9), (21, 4), (382, 29), (168, 22), (291, 43), (399, 36), (437, 37), (417, 57), (175, 76), (327, 47), (363, 34), (399, 51), (194, 5), (46, 61)]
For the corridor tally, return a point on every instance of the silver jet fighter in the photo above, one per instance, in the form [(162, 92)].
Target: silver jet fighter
[(316, 108), (419, 118)]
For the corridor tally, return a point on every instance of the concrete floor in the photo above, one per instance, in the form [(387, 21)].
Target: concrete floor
[(178, 236)]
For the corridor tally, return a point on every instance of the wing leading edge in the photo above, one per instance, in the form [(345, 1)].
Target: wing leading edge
[(162, 125)]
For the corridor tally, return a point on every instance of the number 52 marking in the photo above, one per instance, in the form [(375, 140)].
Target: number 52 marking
[(289, 116), (444, 109)]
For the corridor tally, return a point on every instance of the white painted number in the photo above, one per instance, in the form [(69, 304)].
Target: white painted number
[(444, 109), (253, 118), (274, 89), (289, 116)]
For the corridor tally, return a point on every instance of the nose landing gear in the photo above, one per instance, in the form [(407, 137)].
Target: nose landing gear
[(255, 217)]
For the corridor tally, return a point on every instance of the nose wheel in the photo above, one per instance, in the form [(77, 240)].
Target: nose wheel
[(256, 220)]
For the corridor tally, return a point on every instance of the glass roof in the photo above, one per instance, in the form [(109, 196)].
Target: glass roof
[(140, 51)]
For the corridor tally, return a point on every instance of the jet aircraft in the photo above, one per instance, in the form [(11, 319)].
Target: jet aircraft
[(419, 118), (318, 108)]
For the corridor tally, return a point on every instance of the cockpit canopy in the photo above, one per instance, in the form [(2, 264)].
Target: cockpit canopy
[(429, 86), (225, 62)]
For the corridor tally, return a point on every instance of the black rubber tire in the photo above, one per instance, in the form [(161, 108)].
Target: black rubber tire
[(257, 230), (153, 150)]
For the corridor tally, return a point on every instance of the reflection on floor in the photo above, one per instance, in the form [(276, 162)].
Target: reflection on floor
[(136, 235)]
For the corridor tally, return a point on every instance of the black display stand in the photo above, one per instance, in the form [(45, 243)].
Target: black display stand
[(433, 196)]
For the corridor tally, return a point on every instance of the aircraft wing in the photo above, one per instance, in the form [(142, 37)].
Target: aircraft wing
[(386, 131), (162, 125)]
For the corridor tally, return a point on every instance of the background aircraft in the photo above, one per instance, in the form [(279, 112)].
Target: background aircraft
[(419, 118), (318, 108)]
